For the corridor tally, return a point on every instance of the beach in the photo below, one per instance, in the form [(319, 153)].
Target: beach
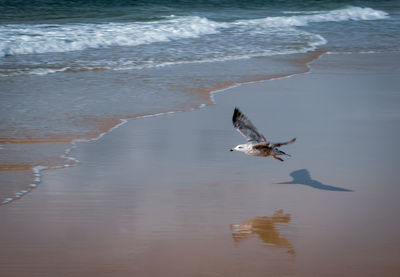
[(116, 126), (164, 196)]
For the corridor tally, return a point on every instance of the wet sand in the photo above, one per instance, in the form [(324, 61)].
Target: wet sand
[(84, 105), (163, 196)]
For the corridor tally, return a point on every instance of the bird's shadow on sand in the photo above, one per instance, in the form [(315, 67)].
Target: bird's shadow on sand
[(303, 177)]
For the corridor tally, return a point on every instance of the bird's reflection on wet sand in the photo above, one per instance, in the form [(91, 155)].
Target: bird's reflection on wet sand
[(266, 229)]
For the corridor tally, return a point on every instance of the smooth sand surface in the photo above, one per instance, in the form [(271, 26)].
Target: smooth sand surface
[(163, 196)]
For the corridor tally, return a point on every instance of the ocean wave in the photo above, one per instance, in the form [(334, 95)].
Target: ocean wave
[(346, 14), (124, 64), (43, 38), (18, 39), (223, 58)]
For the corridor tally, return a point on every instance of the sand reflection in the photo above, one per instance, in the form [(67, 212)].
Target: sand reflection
[(265, 228)]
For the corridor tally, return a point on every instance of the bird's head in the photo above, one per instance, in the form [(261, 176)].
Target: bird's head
[(240, 148)]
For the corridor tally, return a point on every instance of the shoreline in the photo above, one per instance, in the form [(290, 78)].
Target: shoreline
[(107, 125), (164, 196)]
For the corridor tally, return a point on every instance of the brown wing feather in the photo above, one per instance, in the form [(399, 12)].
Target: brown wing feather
[(261, 147)]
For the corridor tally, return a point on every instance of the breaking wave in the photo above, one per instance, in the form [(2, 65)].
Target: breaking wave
[(16, 39)]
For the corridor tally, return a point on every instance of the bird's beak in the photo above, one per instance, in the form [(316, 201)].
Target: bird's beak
[(231, 150)]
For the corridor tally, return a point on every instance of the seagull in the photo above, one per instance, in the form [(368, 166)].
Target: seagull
[(256, 145)]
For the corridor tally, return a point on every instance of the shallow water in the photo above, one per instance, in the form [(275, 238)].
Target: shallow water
[(84, 104)]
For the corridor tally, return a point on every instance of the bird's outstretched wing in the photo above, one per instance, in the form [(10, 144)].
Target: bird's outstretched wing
[(246, 128), (279, 144)]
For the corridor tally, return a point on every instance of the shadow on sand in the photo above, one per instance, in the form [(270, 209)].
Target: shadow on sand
[(265, 227), (302, 177)]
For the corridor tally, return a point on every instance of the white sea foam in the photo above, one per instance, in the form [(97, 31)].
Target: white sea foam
[(45, 71), (350, 13), (394, 51), (43, 38), (265, 53), (123, 121), (6, 201), (37, 172), (18, 194)]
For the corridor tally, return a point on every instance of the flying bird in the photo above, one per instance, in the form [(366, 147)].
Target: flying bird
[(256, 145)]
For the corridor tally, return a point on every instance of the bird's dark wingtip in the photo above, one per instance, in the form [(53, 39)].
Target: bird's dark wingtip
[(236, 114)]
